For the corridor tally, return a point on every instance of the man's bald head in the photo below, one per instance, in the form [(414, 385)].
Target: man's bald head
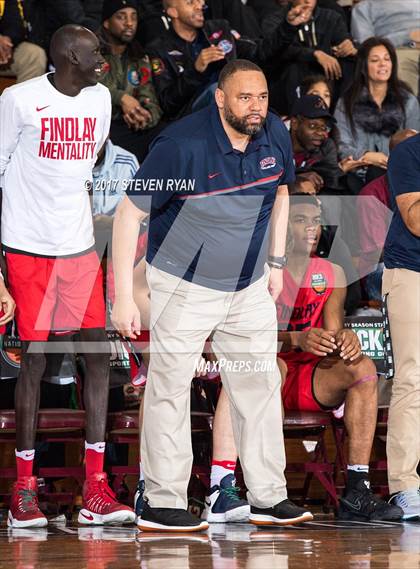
[(76, 56), (66, 40)]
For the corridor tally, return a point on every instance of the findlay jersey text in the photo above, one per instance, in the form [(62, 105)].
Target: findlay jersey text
[(67, 138)]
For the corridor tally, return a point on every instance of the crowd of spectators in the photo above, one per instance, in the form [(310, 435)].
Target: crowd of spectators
[(163, 57)]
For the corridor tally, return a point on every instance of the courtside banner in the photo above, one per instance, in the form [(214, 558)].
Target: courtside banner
[(369, 330)]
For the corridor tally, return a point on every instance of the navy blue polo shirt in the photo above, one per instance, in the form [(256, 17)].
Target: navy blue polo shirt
[(402, 248), (210, 204)]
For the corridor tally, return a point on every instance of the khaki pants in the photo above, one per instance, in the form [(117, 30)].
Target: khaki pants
[(183, 315), (409, 66), (29, 61), (403, 441)]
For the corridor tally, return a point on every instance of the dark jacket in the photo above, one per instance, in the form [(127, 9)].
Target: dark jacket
[(12, 21), (129, 74), (327, 29), (325, 163), (176, 79), (242, 18)]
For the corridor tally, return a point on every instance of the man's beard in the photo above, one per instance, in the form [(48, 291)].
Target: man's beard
[(240, 123)]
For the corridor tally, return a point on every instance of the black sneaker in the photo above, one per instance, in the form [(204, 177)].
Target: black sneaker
[(360, 503), (282, 514), (169, 519)]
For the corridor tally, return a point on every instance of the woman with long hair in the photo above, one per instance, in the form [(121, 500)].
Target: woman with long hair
[(376, 105)]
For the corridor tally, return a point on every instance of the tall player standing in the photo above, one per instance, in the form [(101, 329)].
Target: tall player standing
[(52, 129)]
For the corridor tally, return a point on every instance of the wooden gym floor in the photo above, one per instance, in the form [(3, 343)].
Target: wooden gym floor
[(320, 544)]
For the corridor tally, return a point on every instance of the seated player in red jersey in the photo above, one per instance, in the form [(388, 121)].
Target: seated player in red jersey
[(325, 366)]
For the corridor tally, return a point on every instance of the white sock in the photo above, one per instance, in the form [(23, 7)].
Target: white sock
[(25, 454), (97, 447), (359, 468), (218, 472), (141, 477)]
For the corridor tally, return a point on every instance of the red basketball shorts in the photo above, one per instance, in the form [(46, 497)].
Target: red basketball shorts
[(56, 294), (297, 392)]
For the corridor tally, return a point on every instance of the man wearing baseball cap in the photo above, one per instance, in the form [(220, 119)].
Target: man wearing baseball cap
[(313, 149)]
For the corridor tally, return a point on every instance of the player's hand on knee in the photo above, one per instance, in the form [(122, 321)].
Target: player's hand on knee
[(8, 306), (126, 317), (317, 341), (349, 345)]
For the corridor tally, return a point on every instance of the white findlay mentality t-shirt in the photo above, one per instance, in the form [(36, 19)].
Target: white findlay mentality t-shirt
[(48, 147)]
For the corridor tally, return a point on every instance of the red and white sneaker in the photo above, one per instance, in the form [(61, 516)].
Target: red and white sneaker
[(100, 505), (24, 511)]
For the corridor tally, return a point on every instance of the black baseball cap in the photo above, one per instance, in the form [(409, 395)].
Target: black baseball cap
[(111, 6), (312, 107)]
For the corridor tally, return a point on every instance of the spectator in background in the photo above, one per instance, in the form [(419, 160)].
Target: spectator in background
[(376, 105), (399, 22), (324, 88), (127, 73), (187, 59), (317, 84), (242, 18), (374, 219), (264, 8), (114, 169), (18, 56), (114, 165), (401, 287), (313, 150), (321, 44)]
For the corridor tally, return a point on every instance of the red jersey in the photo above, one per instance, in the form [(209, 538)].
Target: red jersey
[(300, 305)]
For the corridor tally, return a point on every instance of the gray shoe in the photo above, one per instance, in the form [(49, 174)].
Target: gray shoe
[(409, 501)]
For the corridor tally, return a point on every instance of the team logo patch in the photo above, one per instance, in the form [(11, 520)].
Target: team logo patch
[(175, 52), (216, 35), (267, 163), (145, 75), (133, 77), (318, 283), (158, 67), (225, 45), (105, 67)]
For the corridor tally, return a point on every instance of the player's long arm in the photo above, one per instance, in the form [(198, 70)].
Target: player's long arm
[(124, 242), (279, 220)]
